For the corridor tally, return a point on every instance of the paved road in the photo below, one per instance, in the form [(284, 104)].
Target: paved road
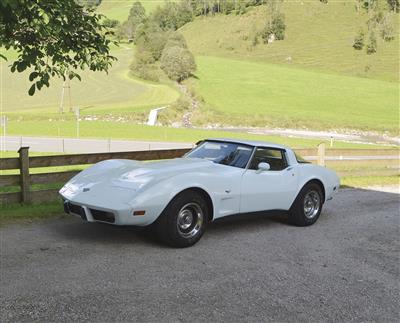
[(344, 268), (70, 145)]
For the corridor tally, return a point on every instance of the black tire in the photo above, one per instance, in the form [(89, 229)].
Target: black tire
[(302, 212), (170, 225)]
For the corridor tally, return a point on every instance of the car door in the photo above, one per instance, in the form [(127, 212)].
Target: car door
[(271, 189)]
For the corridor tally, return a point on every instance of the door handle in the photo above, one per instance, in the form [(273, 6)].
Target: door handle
[(289, 169), (227, 191)]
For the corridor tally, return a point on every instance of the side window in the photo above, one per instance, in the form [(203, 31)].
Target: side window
[(274, 157)]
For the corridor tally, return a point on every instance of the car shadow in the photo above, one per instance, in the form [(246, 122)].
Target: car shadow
[(77, 230), (248, 220)]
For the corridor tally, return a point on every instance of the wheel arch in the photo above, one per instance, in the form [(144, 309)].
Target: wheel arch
[(319, 183), (204, 194)]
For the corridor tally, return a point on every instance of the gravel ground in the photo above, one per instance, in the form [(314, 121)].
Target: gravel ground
[(343, 268)]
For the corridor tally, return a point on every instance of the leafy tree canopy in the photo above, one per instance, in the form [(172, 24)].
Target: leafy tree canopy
[(178, 63), (53, 38)]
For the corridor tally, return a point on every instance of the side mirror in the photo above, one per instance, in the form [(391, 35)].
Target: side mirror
[(262, 167)]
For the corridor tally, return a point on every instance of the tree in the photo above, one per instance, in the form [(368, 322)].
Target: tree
[(394, 5), (359, 41), (176, 39), (172, 15), (372, 44), (137, 16), (151, 38), (178, 63), (387, 28), (53, 38)]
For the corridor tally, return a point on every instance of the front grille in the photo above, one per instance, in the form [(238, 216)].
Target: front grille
[(102, 216), (76, 209)]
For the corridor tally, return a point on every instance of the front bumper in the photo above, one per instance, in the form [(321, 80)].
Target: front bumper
[(92, 213)]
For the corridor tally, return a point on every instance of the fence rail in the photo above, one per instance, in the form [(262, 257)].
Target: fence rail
[(354, 162)]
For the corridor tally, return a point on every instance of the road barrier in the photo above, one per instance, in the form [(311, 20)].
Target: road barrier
[(27, 186)]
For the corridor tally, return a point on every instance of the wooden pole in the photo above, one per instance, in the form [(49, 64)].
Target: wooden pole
[(24, 173), (321, 154)]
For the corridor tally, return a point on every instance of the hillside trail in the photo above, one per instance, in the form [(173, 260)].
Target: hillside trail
[(193, 105)]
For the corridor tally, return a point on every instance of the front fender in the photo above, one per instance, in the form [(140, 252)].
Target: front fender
[(221, 183)]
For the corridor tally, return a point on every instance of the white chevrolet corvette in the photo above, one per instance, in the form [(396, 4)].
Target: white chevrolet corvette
[(219, 177)]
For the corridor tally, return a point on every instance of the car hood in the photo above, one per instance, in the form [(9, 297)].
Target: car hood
[(131, 175)]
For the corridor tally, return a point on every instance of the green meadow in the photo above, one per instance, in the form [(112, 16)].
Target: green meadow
[(318, 37), (96, 93), (274, 95)]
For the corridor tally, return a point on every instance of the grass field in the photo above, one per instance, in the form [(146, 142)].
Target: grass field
[(127, 130), (274, 95), (119, 9), (96, 92), (318, 37)]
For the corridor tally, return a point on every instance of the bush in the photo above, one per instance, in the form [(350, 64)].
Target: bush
[(276, 26), (359, 41), (110, 23), (372, 44), (177, 63)]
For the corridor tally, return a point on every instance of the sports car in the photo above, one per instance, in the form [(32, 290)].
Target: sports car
[(218, 177)]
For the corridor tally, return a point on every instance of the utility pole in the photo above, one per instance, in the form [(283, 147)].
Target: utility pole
[(77, 121), (61, 108), (66, 85), (3, 124)]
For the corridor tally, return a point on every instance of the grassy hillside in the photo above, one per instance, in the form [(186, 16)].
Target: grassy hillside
[(96, 93), (318, 37), (120, 9), (260, 94)]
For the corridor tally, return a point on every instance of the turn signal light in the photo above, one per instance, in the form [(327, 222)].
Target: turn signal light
[(139, 212)]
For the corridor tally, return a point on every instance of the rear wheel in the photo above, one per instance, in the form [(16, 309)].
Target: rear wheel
[(184, 220), (307, 207)]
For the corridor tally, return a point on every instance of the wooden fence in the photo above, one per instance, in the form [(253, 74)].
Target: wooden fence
[(355, 162)]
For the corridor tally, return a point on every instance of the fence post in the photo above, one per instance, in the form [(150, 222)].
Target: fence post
[(24, 173), (321, 154)]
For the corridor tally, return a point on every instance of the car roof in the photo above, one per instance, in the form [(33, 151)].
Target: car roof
[(250, 142)]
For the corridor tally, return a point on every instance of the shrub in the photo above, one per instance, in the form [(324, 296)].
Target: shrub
[(359, 41), (372, 44), (177, 63)]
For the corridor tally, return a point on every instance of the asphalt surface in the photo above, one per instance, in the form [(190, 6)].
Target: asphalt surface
[(255, 269), (71, 145)]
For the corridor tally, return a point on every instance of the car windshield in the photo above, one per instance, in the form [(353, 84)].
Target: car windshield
[(224, 153)]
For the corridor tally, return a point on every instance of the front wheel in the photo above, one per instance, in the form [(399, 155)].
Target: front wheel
[(184, 220), (307, 207)]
